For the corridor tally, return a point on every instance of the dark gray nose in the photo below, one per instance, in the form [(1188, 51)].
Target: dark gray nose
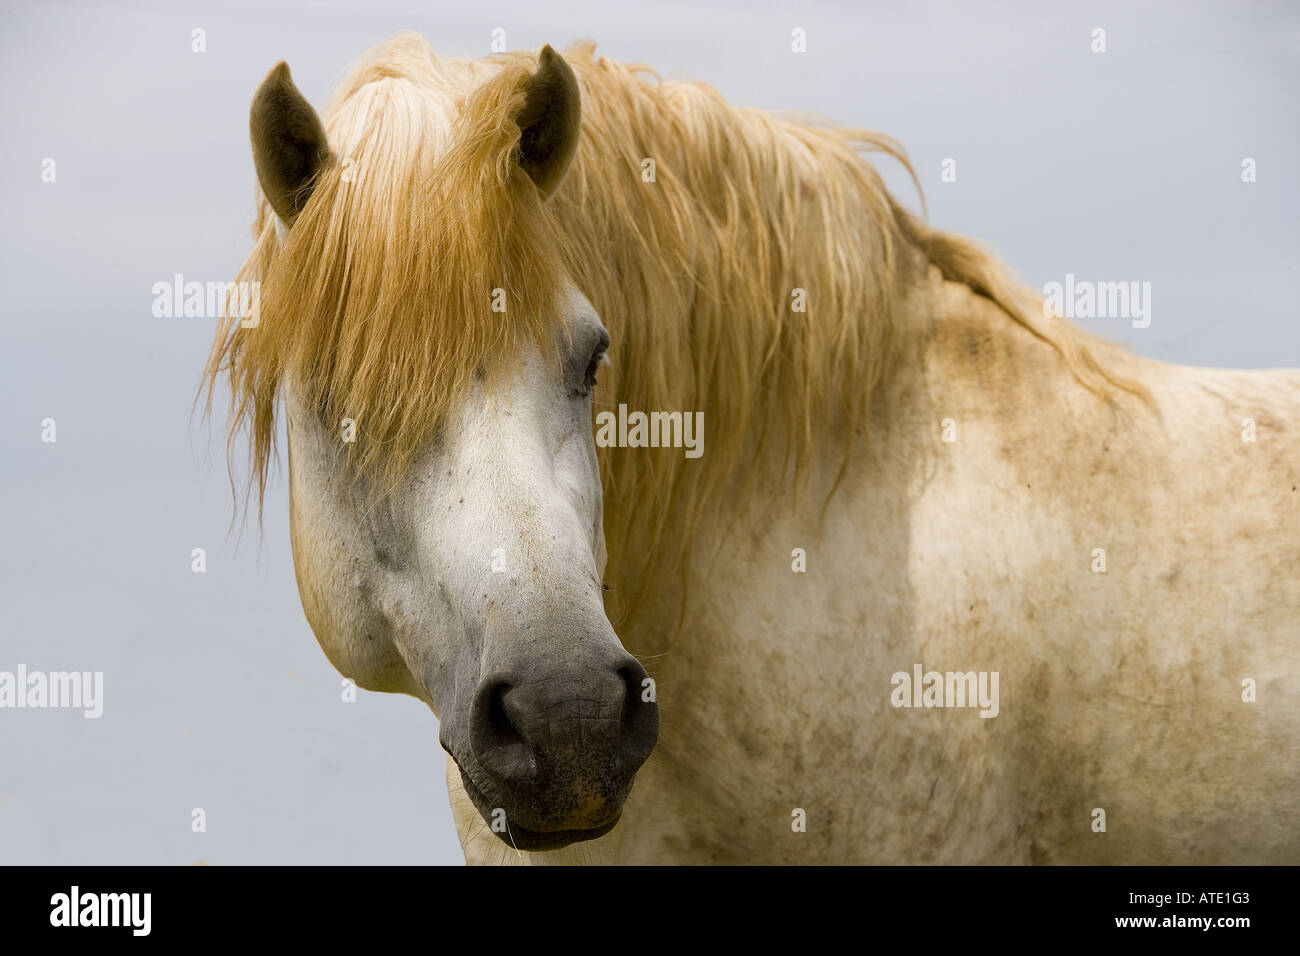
[(563, 744)]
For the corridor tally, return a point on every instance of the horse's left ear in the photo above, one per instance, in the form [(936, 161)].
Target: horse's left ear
[(549, 121), (289, 145)]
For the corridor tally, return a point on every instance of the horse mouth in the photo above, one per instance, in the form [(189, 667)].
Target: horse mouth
[(522, 838)]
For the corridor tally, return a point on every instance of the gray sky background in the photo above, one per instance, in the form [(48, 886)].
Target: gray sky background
[(1116, 166)]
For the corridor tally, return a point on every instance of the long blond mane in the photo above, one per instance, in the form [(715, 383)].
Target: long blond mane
[(379, 303)]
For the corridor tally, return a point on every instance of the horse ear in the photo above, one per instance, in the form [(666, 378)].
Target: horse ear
[(549, 121), (289, 145)]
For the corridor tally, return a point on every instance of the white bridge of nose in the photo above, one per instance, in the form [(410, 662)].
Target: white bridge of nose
[(517, 500)]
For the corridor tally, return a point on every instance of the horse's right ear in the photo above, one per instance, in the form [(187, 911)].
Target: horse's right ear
[(549, 121), (289, 145)]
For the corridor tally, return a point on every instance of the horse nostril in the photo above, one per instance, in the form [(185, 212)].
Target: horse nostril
[(640, 723), (496, 739), (501, 727)]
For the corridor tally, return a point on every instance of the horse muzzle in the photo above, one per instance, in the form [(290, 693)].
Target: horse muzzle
[(553, 753)]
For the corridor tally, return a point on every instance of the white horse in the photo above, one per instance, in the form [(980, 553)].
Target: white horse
[(945, 581)]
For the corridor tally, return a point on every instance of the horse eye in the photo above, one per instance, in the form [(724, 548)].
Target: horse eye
[(589, 379)]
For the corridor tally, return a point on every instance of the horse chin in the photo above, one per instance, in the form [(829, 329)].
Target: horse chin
[(520, 837)]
